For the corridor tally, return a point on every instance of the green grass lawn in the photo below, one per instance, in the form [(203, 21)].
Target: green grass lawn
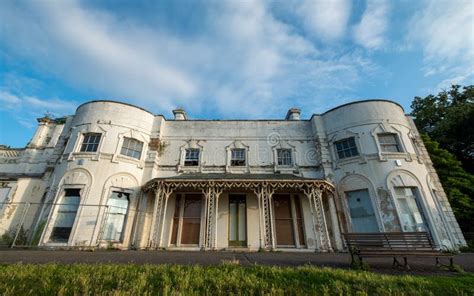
[(226, 279)]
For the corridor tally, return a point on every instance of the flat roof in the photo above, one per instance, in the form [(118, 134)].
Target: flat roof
[(116, 102), (277, 120), (364, 101)]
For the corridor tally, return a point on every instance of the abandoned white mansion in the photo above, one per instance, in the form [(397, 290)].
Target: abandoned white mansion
[(117, 175)]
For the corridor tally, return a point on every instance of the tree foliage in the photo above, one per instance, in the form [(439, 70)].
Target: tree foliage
[(448, 118), (457, 183)]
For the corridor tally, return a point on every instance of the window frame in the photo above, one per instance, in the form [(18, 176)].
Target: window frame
[(397, 143), (191, 162), (7, 196), (125, 217), (281, 157), (58, 209), (349, 148), (136, 142), (297, 221), (417, 197), (234, 162), (179, 217), (86, 144)]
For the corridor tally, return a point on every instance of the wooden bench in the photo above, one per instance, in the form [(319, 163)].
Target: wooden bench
[(394, 244)]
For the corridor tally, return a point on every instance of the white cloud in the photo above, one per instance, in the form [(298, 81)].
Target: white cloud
[(243, 63), (26, 108), (8, 100), (445, 32), (326, 19), (370, 31)]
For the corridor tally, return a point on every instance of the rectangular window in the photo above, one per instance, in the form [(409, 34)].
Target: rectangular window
[(4, 195), (237, 157), (192, 157), (66, 215), (237, 220), (361, 211), (284, 157), (410, 214), (117, 207), (132, 148), (177, 213), (389, 142), (90, 143), (289, 224), (346, 148), (191, 219)]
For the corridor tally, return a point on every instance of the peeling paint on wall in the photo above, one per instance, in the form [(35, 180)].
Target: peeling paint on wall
[(388, 212)]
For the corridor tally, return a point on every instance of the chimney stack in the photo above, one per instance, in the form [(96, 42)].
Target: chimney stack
[(293, 114), (179, 114)]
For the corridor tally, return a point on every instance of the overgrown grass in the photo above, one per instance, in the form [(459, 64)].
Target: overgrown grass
[(225, 279)]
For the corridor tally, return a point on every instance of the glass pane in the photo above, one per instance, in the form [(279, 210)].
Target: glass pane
[(361, 211), (3, 195), (242, 222), (283, 220), (116, 213), (410, 211), (406, 216), (282, 206), (191, 219), (114, 227), (233, 222), (190, 232), (299, 221), (284, 232), (66, 215), (174, 233), (192, 206)]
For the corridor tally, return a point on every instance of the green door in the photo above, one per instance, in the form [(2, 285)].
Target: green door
[(237, 220)]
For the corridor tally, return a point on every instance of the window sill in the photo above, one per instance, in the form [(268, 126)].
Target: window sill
[(89, 155), (394, 155), (349, 159), (128, 158)]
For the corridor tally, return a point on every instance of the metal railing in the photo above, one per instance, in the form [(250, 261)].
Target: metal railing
[(30, 224)]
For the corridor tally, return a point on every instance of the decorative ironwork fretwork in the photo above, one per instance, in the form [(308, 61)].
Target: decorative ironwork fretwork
[(211, 194), (264, 190), (314, 195), (162, 193)]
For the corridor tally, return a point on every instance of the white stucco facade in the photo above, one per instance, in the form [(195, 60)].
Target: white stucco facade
[(148, 182)]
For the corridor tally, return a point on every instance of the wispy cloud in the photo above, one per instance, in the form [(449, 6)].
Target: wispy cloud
[(325, 19), (244, 62), (370, 31), (445, 32), (26, 108)]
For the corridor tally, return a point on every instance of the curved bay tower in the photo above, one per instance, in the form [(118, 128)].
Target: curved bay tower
[(116, 175)]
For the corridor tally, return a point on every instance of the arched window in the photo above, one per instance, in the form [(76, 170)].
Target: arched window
[(117, 207)]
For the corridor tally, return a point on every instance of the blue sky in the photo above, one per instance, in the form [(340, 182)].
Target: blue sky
[(225, 59)]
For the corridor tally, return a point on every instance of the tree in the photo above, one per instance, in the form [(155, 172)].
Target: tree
[(457, 183), (448, 118)]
